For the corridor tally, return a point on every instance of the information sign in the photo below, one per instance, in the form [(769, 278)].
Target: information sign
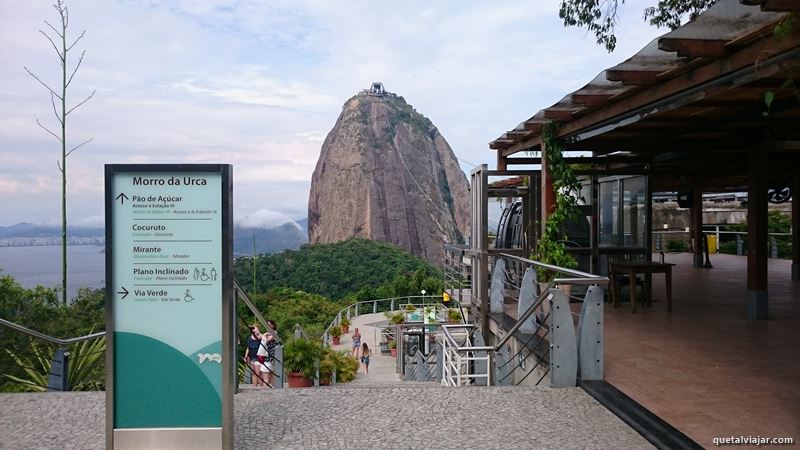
[(169, 296)]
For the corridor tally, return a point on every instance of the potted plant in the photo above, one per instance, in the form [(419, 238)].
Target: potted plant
[(393, 348), (396, 318), (345, 324), (300, 358), (453, 315), (336, 334)]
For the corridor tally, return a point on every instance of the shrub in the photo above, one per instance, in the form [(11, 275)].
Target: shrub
[(678, 245), (335, 331), (454, 315), (301, 355)]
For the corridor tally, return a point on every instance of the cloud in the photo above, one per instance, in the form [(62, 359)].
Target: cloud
[(264, 218), (258, 84)]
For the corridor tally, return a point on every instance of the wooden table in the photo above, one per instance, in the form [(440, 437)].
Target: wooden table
[(631, 268)]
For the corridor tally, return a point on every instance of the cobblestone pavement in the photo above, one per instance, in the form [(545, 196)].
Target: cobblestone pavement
[(391, 416), (53, 420)]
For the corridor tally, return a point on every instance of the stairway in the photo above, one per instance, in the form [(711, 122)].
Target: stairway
[(381, 367)]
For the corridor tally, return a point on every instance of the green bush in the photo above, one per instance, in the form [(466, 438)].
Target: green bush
[(678, 245), (728, 247), (40, 309), (346, 366), (301, 355), (336, 270)]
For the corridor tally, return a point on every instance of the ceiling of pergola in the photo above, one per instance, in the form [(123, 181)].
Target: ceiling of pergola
[(690, 105)]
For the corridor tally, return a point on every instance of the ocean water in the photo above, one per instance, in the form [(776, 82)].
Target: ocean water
[(41, 265)]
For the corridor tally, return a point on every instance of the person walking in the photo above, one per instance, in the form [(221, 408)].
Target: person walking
[(365, 357), (250, 355), (356, 342), (271, 344)]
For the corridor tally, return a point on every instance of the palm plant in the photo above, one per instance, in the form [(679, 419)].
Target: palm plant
[(84, 371)]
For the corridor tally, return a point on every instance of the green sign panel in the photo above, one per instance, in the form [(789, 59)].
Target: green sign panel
[(168, 270)]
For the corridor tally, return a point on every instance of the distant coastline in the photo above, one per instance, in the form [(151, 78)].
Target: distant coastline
[(48, 241)]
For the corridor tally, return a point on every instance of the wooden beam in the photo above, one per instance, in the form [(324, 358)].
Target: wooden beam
[(591, 100), (757, 295), (774, 5), (694, 77), (634, 77), (562, 115), (535, 126), (694, 47)]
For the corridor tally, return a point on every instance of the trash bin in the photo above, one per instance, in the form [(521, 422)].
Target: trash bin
[(712, 243)]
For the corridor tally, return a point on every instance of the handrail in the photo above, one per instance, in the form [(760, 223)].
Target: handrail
[(375, 301), (243, 295), (578, 276), (460, 348), (528, 312), (53, 340)]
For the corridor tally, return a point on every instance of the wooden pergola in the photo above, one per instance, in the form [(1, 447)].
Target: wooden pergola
[(712, 106)]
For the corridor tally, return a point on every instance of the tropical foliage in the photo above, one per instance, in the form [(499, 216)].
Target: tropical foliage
[(40, 309), (550, 248), (301, 355), (85, 368), (345, 365), (336, 270)]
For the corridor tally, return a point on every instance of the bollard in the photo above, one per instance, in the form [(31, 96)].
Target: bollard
[(773, 247), (739, 244), (57, 379)]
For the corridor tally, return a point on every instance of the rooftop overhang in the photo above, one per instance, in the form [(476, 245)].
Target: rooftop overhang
[(692, 103)]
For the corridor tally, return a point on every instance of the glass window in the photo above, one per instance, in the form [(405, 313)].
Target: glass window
[(634, 220), (609, 226)]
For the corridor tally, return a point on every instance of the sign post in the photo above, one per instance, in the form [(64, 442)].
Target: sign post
[(169, 306)]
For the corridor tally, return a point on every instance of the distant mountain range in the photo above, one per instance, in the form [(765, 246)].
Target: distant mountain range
[(290, 235)]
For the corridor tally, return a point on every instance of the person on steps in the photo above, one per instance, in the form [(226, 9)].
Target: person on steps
[(365, 357), (356, 342)]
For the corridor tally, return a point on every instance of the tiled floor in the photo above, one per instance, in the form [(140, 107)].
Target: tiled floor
[(704, 368)]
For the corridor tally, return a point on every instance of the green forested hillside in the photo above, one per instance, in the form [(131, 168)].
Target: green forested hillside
[(336, 270)]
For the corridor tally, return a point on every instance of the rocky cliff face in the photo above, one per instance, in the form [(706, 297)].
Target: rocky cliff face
[(385, 173)]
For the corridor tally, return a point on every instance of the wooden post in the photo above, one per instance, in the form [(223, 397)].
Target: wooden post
[(796, 226), (547, 191), (502, 161), (757, 295), (697, 224)]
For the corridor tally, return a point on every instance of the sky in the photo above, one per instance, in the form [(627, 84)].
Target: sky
[(258, 84)]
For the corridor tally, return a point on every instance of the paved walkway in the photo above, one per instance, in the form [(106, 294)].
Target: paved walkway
[(382, 368), (376, 411), (380, 417)]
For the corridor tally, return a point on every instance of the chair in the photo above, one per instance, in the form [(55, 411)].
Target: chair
[(622, 280)]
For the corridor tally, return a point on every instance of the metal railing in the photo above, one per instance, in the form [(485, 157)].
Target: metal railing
[(544, 319), (417, 301), (661, 239), (277, 368), (58, 379), (459, 357), (457, 276)]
